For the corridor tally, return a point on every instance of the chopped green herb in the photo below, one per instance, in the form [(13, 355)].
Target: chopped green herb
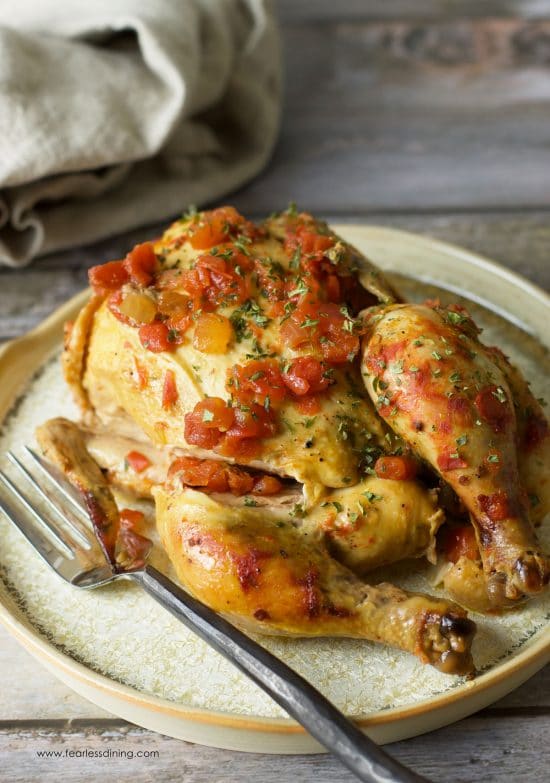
[(372, 497), (397, 367), (338, 506), (455, 318), (190, 213), (309, 322)]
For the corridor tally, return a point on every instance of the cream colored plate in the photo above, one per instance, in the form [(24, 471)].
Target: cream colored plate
[(121, 651)]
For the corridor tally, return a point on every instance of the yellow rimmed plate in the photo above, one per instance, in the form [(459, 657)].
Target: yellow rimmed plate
[(120, 651)]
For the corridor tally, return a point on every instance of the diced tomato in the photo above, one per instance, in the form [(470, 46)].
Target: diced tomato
[(270, 283), (141, 264), (309, 240), (256, 381), (492, 406), (216, 414), (214, 280), (214, 476), (197, 434), (205, 473), (306, 375), (169, 280), (156, 337), (460, 542), (266, 485), (213, 227), (208, 421), (177, 312), (240, 482), (397, 468), (294, 334), (252, 421), (322, 325), (450, 461), (142, 374), (244, 449), (107, 277), (170, 394), (137, 461)]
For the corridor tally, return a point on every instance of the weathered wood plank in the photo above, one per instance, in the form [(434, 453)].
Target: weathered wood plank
[(304, 10), (518, 240), (27, 690), (412, 115), (474, 750)]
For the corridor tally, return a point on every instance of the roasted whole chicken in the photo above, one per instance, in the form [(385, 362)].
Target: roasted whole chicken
[(299, 426)]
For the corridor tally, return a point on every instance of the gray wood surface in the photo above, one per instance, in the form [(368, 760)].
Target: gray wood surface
[(429, 116)]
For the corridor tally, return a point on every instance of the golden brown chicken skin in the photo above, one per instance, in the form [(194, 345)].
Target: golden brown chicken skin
[(274, 574), (219, 371), (440, 389)]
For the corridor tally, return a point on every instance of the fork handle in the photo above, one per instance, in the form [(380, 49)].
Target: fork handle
[(297, 696)]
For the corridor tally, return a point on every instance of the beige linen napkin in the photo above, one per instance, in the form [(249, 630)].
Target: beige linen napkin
[(116, 113)]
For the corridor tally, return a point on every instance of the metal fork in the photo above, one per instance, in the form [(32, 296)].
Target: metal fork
[(64, 538)]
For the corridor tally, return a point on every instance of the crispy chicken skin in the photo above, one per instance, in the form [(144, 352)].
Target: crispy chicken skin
[(440, 389), (219, 371), (269, 572), (63, 443)]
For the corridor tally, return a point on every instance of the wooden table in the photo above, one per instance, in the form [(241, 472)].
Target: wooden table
[(428, 116)]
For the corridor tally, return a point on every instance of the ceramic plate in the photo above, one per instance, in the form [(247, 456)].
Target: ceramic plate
[(117, 648)]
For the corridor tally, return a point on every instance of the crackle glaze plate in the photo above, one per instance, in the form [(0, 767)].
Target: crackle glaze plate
[(120, 650)]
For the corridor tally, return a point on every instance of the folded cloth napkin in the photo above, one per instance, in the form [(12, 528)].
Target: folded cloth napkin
[(117, 113)]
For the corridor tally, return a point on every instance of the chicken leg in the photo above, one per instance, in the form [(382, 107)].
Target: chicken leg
[(440, 389)]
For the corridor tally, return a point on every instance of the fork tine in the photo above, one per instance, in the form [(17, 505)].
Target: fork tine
[(53, 475), (51, 553), (15, 518), (74, 525)]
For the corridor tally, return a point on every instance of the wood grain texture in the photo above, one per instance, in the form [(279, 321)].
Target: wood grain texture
[(422, 10), (412, 115), (483, 748)]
